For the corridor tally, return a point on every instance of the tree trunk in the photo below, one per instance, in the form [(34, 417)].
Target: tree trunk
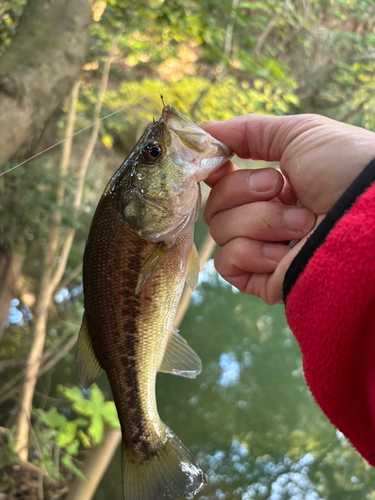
[(10, 270), (38, 69)]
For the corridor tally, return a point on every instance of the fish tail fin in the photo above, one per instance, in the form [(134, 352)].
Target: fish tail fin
[(171, 473)]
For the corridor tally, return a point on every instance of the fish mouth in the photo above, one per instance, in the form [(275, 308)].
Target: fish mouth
[(213, 153)]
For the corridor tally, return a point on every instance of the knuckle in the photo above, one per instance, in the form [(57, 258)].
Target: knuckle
[(206, 214), (216, 228)]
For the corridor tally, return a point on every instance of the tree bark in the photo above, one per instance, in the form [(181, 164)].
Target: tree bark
[(38, 69), (10, 270)]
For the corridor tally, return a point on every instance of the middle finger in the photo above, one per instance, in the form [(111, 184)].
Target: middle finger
[(263, 221)]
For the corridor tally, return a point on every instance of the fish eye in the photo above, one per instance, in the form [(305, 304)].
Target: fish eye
[(152, 151)]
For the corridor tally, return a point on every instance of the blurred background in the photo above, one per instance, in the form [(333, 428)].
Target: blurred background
[(249, 417)]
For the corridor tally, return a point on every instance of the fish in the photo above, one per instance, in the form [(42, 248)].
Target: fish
[(139, 253)]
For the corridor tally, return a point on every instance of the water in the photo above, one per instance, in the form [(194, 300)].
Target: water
[(249, 417)]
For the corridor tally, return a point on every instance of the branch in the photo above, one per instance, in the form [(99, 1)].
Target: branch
[(8, 390), (230, 29), (59, 356), (263, 37), (202, 94), (70, 277), (353, 112), (83, 166), (205, 252)]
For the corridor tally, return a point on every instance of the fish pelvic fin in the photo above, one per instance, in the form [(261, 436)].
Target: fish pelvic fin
[(180, 358), (171, 473), (89, 368)]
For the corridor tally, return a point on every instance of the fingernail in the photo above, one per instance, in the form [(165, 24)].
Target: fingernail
[(207, 124), (263, 181), (298, 219), (274, 252)]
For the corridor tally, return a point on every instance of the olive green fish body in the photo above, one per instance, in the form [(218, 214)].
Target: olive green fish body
[(138, 255), (129, 332)]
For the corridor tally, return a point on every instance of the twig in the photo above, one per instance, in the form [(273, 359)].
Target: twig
[(353, 112), (68, 347), (204, 254), (202, 94), (37, 470), (230, 29), (263, 37), (8, 390), (83, 166), (70, 276)]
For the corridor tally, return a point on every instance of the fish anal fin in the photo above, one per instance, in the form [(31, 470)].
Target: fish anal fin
[(152, 266), (89, 368), (192, 272), (180, 358), (172, 472)]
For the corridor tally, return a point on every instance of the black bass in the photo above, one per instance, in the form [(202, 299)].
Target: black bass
[(139, 252)]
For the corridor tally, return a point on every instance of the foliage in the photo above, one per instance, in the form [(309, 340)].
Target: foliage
[(212, 60), (10, 12), (60, 438)]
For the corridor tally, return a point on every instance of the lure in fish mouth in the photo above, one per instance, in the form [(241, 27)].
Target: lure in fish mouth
[(139, 253)]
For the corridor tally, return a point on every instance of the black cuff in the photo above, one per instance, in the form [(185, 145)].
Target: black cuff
[(343, 205)]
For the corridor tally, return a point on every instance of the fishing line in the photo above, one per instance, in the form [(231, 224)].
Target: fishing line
[(79, 131)]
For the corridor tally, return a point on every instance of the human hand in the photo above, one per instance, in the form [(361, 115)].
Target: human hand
[(252, 213)]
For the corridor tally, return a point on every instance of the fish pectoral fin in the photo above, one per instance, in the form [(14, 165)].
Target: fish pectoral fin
[(152, 266), (89, 368), (192, 272), (180, 358)]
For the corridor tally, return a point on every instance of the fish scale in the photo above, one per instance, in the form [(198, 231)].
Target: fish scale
[(139, 253)]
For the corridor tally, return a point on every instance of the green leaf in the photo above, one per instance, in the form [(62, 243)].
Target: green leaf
[(85, 440), (81, 422), (72, 449), (110, 416), (96, 428), (52, 418), (97, 396), (66, 436), (107, 140)]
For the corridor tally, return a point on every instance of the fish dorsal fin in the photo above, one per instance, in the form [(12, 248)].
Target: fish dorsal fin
[(89, 368), (151, 266), (180, 358), (192, 272)]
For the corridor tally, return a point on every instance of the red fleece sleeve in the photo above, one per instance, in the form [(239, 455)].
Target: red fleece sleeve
[(330, 308)]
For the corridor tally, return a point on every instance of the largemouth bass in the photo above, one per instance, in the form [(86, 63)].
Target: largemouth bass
[(139, 252)]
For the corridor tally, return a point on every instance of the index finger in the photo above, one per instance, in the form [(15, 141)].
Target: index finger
[(261, 137)]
